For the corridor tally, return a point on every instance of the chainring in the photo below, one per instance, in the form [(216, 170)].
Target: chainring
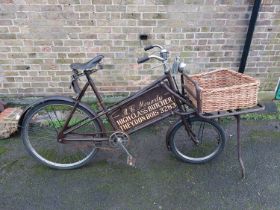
[(119, 136)]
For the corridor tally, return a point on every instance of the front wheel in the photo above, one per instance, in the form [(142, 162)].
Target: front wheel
[(210, 136), (42, 125)]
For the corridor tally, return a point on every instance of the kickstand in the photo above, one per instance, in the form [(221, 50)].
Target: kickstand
[(239, 147)]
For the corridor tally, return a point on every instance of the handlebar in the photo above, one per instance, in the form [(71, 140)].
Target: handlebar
[(143, 59), (152, 46), (148, 47), (146, 58), (163, 54)]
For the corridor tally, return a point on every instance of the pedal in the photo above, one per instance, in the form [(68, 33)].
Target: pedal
[(131, 161)]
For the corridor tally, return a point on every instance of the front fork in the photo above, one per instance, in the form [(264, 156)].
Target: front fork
[(185, 120), (189, 130), (182, 109)]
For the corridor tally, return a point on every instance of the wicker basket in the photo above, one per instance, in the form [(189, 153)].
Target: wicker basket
[(221, 90)]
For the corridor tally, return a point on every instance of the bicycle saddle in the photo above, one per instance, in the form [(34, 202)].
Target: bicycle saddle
[(88, 65)]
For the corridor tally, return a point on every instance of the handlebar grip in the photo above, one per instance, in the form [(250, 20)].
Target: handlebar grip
[(143, 59), (148, 47)]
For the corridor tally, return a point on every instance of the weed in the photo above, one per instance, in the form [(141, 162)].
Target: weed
[(94, 106), (256, 116), (270, 116), (3, 150), (60, 123), (57, 108)]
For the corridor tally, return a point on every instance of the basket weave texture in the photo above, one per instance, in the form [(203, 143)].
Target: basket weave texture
[(223, 90)]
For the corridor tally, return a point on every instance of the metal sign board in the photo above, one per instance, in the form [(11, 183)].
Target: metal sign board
[(145, 109)]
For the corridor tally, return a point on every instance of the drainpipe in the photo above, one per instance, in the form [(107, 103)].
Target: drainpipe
[(249, 36)]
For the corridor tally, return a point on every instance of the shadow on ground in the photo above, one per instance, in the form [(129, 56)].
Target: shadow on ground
[(159, 181)]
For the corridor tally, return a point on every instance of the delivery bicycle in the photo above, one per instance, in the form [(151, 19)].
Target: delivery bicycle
[(64, 133)]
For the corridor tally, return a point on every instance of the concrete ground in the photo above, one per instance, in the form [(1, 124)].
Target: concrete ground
[(159, 182)]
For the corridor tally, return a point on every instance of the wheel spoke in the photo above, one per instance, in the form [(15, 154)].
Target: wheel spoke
[(209, 135), (57, 118), (52, 123), (200, 132), (41, 130)]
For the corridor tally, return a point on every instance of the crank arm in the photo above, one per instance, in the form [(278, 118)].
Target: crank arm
[(130, 159)]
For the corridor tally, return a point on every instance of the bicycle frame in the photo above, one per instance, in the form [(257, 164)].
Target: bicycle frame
[(63, 116), (164, 84), (154, 103)]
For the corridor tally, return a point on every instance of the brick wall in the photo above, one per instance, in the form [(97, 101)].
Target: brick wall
[(39, 39)]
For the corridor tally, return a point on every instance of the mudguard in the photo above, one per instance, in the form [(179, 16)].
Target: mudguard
[(61, 98)]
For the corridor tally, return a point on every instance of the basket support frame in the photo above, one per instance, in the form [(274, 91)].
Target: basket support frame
[(197, 92)]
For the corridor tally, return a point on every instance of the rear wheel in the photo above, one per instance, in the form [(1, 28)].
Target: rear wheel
[(210, 136), (40, 129)]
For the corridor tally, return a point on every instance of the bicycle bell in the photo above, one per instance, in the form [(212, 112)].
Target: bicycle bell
[(164, 54)]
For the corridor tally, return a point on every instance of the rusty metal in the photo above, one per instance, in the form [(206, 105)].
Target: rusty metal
[(108, 111), (227, 113), (60, 98), (173, 93), (236, 114), (162, 98), (61, 134), (115, 106), (197, 90), (181, 108), (182, 98), (112, 109), (188, 113), (100, 100), (78, 138)]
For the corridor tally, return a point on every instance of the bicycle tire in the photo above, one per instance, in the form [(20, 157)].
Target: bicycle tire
[(191, 153), (32, 120)]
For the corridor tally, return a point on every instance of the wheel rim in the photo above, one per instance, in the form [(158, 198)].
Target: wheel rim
[(41, 136), (209, 142)]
